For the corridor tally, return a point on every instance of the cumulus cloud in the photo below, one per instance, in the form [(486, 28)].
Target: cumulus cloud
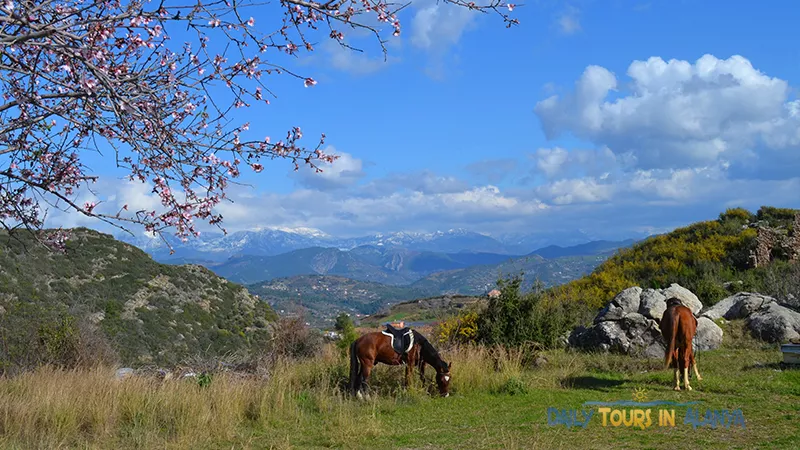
[(677, 114), (558, 162)]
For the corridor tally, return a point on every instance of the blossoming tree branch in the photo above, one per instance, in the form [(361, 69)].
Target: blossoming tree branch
[(80, 75)]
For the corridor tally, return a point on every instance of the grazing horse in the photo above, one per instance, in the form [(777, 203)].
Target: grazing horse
[(678, 327), (375, 347)]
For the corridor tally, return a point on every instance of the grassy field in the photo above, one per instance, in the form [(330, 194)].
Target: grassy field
[(497, 402)]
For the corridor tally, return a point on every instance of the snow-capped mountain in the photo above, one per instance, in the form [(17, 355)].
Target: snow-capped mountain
[(268, 242), (217, 247)]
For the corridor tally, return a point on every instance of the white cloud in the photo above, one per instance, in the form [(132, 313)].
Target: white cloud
[(353, 61), (576, 190), (439, 25), (343, 172), (676, 114), (558, 162), (569, 21)]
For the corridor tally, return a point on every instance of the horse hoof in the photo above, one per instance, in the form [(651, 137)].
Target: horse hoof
[(676, 388), (688, 388), (359, 395), (699, 378)]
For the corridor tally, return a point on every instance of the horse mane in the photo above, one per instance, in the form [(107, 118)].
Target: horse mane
[(429, 354)]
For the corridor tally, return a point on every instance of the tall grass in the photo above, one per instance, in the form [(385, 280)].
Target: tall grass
[(302, 403), (53, 408)]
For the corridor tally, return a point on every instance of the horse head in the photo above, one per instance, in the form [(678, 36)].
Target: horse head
[(443, 378)]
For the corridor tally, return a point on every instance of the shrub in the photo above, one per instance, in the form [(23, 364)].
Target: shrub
[(459, 329), (344, 325), (514, 386), (514, 319), (294, 339)]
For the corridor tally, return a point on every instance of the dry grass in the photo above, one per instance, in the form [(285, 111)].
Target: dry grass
[(302, 404), (50, 408)]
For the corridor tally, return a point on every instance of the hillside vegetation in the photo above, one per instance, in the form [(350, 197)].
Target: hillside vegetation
[(106, 293), (709, 258)]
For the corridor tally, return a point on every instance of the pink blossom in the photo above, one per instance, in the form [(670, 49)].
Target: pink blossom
[(309, 82)]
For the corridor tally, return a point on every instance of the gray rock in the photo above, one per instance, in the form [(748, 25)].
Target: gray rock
[(628, 299), (610, 312), (634, 334), (687, 297), (643, 335), (708, 335), (653, 304), (774, 323), (623, 303), (737, 306), (123, 372), (790, 301), (620, 328)]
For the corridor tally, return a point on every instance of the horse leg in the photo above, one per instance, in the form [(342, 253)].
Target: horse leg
[(677, 378), (422, 371), (694, 366), (410, 363), (685, 360), (366, 369)]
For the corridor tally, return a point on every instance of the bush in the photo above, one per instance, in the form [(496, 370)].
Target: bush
[(513, 386), (344, 325), (32, 335), (459, 329), (514, 319), (294, 339)]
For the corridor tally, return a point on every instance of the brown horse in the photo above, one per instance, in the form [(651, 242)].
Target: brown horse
[(375, 347), (678, 327)]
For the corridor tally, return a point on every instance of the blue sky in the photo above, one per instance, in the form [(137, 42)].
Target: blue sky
[(614, 117)]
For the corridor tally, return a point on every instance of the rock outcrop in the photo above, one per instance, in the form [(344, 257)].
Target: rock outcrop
[(764, 316), (629, 323)]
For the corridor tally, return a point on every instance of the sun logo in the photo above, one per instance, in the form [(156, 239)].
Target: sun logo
[(639, 394)]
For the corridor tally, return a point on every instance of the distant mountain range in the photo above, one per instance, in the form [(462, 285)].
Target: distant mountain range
[(323, 296), (216, 247), (393, 266), (307, 269)]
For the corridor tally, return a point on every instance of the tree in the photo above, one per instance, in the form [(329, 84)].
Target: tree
[(344, 325), (152, 83)]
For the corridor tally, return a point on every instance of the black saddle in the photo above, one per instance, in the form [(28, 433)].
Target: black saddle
[(402, 340)]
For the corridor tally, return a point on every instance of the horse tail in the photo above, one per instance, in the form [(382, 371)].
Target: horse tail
[(676, 318), (354, 369)]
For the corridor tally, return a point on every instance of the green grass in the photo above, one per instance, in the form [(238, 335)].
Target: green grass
[(496, 403)]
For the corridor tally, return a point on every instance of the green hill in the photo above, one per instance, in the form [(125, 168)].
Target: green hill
[(711, 258), (148, 312), (477, 280)]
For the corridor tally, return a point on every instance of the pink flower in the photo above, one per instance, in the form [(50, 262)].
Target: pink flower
[(251, 22), (309, 82), (214, 22), (257, 167), (511, 6)]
